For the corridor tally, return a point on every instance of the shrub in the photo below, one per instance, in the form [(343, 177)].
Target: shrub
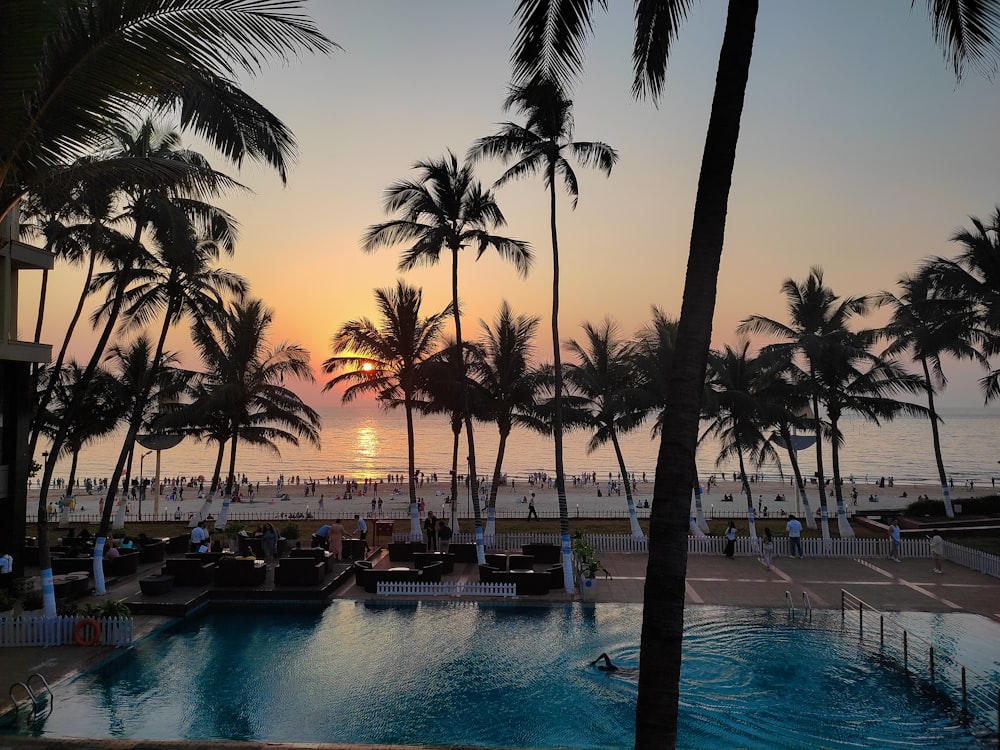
[(291, 531), (6, 600)]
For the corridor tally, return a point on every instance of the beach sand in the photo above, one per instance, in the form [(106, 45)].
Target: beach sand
[(583, 501)]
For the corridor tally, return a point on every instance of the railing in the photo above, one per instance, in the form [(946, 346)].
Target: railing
[(967, 557), (446, 588), (60, 630), (977, 695)]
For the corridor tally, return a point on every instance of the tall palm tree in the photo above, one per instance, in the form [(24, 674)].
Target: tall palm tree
[(508, 385), (851, 378), (738, 416), (928, 324), (544, 145), (610, 398), (818, 329), (73, 73), (385, 360), (974, 276), (180, 282), (242, 394), (446, 209), (550, 41)]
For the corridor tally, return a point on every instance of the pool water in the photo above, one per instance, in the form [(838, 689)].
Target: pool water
[(499, 676)]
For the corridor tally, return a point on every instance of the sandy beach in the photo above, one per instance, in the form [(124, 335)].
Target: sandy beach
[(329, 500)]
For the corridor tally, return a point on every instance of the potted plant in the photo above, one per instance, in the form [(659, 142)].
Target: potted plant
[(587, 565)]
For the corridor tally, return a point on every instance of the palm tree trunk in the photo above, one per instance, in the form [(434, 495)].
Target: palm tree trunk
[(48, 592), (456, 432), (633, 520), (491, 505), (217, 474), (411, 468), (43, 402), (843, 525), (663, 600), (800, 486), (936, 436), (824, 515), (128, 445), (754, 545), (557, 428)]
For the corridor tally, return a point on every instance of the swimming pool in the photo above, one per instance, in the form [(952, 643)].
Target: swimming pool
[(505, 675)]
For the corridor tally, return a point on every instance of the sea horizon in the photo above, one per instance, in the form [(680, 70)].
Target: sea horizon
[(362, 441)]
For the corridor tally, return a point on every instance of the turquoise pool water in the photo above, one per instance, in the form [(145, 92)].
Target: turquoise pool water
[(502, 676)]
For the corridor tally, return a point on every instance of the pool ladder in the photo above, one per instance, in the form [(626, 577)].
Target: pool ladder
[(32, 699), (806, 606)]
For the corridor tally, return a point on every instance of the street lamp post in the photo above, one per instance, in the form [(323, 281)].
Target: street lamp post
[(142, 482)]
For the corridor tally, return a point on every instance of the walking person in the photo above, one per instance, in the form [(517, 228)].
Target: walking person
[(730, 549), (794, 529), (361, 530), (768, 547), (269, 542), (532, 513), (937, 550), (444, 535), (894, 541)]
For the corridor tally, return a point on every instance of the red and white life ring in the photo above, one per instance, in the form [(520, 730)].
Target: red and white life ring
[(87, 632)]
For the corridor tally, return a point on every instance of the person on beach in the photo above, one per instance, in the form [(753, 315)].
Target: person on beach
[(444, 535), (430, 531), (730, 549), (894, 541), (937, 550), (361, 530), (532, 513), (269, 542), (336, 539), (768, 547), (794, 529)]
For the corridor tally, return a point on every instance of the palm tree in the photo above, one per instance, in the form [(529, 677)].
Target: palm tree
[(550, 41), (508, 385), (447, 209), (738, 415), (180, 282), (242, 394), (78, 71), (818, 327), (385, 360), (541, 146), (75, 73), (851, 378), (610, 398), (928, 324), (974, 276)]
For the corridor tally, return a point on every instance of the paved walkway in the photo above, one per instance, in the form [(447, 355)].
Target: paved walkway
[(711, 580)]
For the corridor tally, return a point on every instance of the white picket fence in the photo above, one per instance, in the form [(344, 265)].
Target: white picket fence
[(58, 631), (712, 545), (446, 588)]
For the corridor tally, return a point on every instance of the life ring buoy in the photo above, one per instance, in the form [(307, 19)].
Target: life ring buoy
[(82, 627)]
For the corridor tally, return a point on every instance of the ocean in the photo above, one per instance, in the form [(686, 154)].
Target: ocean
[(361, 440)]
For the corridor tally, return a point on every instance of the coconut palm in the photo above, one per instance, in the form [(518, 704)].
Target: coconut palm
[(508, 386), (928, 324), (738, 416), (242, 394), (385, 360), (610, 399), (74, 72), (818, 330), (550, 42), (179, 282), (446, 209), (974, 276), (544, 145)]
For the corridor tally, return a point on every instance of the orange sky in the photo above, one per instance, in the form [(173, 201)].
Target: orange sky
[(858, 153)]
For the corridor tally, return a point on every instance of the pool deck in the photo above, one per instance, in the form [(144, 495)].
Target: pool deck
[(711, 580)]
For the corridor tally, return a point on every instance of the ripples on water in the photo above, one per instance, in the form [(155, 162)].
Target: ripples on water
[(363, 441), (507, 676)]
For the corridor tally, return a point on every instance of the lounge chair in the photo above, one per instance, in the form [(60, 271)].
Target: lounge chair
[(299, 571), (240, 572), (188, 571)]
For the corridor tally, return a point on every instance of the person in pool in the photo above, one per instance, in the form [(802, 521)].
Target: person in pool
[(610, 666)]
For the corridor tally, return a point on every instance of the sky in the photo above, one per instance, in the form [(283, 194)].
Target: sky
[(859, 153)]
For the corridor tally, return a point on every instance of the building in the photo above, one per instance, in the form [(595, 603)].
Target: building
[(17, 359)]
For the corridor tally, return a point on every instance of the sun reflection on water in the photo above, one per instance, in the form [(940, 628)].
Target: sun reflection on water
[(366, 449)]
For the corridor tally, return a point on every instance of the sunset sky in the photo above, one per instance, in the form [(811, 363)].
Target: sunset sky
[(859, 153)]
